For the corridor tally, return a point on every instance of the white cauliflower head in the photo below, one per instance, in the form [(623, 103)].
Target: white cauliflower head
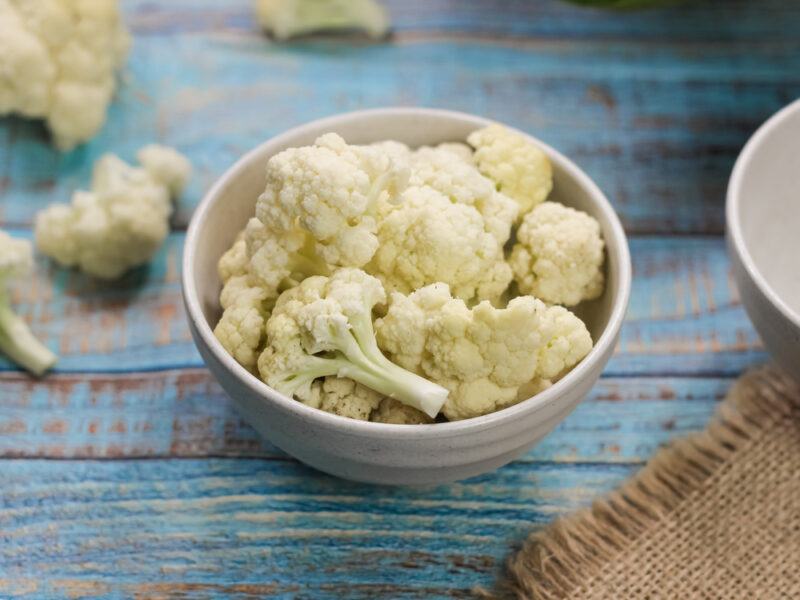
[(483, 355), (428, 239), (559, 255), (119, 224), (521, 169), (444, 169), (57, 62), (331, 190)]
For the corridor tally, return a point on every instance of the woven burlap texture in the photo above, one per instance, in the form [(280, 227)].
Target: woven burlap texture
[(713, 516)]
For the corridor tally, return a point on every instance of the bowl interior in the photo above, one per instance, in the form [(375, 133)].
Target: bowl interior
[(231, 202), (768, 206)]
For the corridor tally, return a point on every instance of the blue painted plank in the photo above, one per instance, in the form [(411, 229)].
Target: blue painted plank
[(732, 21), (685, 317), (197, 528), (186, 414), (658, 124)]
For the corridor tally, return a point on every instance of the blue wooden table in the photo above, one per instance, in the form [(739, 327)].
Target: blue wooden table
[(127, 473)]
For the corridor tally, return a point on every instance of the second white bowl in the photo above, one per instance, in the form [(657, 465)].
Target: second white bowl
[(376, 452), (763, 230)]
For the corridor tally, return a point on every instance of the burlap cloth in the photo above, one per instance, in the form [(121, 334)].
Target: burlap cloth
[(713, 516)]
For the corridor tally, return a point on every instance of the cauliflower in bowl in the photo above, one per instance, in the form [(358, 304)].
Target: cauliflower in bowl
[(409, 286)]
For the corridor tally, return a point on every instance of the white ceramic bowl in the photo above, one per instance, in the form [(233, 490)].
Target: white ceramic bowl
[(374, 452), (763, 218)]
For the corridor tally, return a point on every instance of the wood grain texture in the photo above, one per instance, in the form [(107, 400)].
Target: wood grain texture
[(657, 122), (185, 414), (684, 317), (254, 528)]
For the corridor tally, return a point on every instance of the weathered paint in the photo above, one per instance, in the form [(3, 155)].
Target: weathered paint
[(657, 122), (201, 527), (186, 414), (654, 105)]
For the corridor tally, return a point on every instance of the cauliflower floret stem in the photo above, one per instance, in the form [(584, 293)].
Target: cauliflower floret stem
[(357, 357), (370, 367), (19, 344)]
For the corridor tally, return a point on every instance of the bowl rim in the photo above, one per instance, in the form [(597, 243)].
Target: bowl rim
[(733, 203), (603, 346)]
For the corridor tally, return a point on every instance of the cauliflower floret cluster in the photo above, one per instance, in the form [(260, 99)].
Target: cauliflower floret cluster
[(58, 60), (483, 355), (122, 221), (375, 282)]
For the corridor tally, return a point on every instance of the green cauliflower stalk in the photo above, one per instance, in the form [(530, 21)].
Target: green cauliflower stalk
[(290, 18), (16, 340)]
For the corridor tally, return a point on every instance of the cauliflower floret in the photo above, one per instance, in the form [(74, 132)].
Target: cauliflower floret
[(483, 355), (331, 191), (323, 327), (461, 150), (16, 340), (559, 255), (344, 397), (235, 262), (519, 167), (57, 62), (278, 262), (119, 224), (428, 239), (396, 413), (241, 329), (166, 165), (446, 172), (289, 18), (397, 151), (533, 387)]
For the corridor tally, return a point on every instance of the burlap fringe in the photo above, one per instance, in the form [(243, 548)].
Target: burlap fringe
[(572, 550)]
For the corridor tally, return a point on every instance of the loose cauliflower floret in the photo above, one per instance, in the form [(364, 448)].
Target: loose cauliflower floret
[(118, 225), (332, 192), (445, 171), (396, 413), (322, 328), (57, 62), (429, 239), (483, 355), (166, 165), (17, 342), (519, 167), (289, 18), (559, 255)]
